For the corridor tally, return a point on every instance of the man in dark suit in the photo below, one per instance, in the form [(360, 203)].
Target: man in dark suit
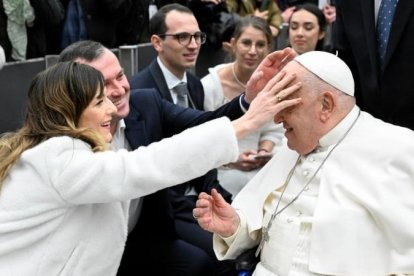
[(140, 120), (177, 38), (384, 91)]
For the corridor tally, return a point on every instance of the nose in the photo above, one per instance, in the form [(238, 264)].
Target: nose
[(253, 49), (114, 89), (111, 108)]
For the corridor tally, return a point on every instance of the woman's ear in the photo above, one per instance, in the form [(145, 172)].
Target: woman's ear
[(321, 35)]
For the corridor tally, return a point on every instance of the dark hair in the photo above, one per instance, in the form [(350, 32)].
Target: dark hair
[(57, 98), (257, 23), (313, 9), (157, 22), (87, 50)]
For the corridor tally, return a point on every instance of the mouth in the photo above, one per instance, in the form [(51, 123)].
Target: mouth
[(106, 124), (118, 102)]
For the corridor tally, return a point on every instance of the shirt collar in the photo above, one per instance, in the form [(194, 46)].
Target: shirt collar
[(170, 79), (335, 134)]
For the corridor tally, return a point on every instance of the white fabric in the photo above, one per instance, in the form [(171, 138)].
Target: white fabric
[(234, 180), (64, 209), (2, 57), (329, 68), (362, 223)]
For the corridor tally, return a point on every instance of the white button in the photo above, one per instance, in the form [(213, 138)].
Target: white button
[(306, 188), (311, 159), (298, 213), (306, 173), (289, 220)]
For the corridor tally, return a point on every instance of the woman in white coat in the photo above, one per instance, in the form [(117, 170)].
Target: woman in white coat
[(64, 198)]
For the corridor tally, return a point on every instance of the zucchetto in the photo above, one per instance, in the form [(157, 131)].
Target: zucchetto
[(329, 68)]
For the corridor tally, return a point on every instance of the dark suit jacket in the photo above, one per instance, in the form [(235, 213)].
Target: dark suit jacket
[(152, 77), (151, 119), (388, 93)]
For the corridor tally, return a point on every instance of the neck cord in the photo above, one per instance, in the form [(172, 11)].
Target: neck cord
[(235, 76), (265, 230)]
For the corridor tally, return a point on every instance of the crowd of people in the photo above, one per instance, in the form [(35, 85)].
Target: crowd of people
[(278, 153)]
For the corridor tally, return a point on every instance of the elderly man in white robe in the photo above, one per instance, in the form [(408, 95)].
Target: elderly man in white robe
[(337, 198)]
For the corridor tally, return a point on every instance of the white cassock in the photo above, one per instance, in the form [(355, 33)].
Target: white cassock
[(356, 216)]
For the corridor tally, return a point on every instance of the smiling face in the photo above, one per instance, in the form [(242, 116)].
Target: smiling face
[(304, 31), (116, 83), (98, 115), (304, 123), (175, 56), (250, 48)]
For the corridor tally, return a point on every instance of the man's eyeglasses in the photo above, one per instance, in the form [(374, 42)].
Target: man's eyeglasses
[(185, 38)]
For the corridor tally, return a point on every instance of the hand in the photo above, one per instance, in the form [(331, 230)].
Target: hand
[(247, 161), (287, 13), (268, 103), (330, 13), (264, 14), (214, 214), (267, 69)]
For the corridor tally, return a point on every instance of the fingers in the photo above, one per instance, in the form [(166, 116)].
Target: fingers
[(280, 58)]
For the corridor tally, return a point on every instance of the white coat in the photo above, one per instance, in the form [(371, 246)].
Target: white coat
[(64, 209)]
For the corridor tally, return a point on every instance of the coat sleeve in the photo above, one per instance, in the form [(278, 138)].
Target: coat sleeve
[(82, 177)]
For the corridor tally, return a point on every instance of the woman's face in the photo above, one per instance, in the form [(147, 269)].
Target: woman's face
[(251, 48), (304, 31), (98, 116)]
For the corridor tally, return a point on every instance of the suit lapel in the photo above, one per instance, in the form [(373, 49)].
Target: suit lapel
[(402, 15), (368, 21), (135, 131), (161, 85)]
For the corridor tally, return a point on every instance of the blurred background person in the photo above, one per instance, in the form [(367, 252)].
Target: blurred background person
[(307, 29), (250, 43), (266, 9)]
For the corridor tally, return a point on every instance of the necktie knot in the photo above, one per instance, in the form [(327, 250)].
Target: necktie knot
[(182, 91), (384, 22)]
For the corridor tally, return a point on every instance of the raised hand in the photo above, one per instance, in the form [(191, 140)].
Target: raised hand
[(267, 69), (214, 214)]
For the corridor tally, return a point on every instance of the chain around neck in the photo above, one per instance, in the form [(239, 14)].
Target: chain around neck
[(235, 76), (265, 230)]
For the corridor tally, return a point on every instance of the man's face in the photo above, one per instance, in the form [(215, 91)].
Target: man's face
[(116, 83), (174, 55), (302, 122)]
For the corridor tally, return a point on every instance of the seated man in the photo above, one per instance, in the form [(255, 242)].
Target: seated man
[(337, 198)]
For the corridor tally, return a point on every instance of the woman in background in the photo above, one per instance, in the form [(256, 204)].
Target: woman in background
[(307, 29), (250, 44)]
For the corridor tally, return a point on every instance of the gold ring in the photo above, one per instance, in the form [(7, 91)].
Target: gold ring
[(279, 98)]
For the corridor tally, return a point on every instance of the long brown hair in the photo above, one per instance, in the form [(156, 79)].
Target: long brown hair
[(56, 99)]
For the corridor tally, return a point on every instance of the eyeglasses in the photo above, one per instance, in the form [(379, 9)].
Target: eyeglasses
[(247, 44), (185, 38)]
